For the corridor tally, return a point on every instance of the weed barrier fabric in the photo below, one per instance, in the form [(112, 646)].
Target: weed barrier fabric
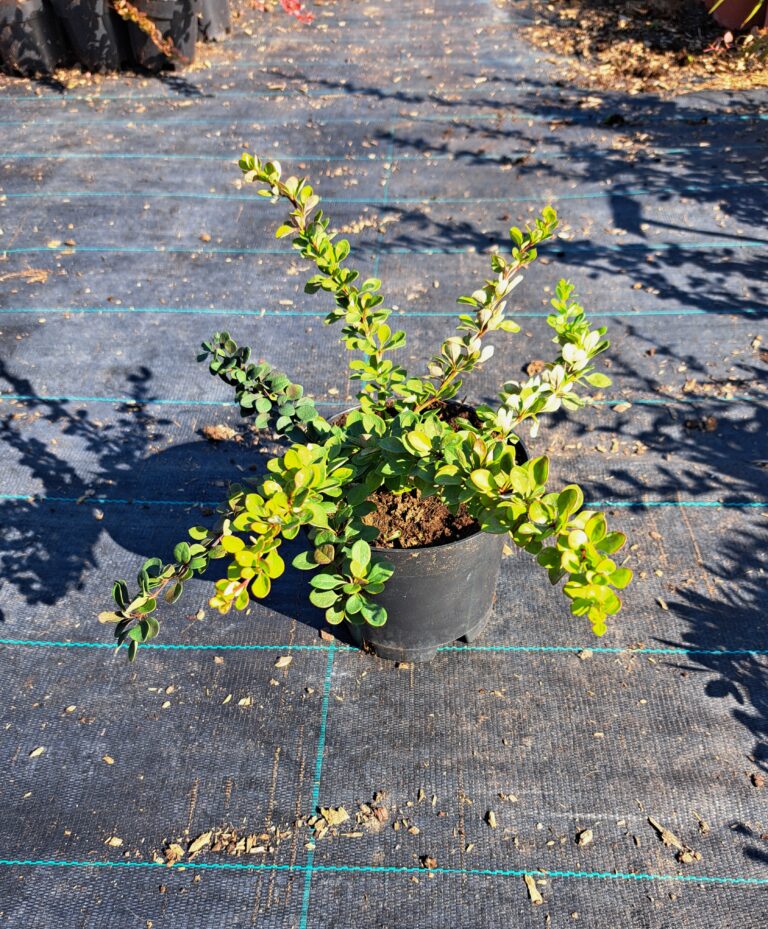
[(126, 241)]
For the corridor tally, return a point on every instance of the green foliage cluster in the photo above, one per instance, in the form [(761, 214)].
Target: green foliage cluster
[(396, 439)]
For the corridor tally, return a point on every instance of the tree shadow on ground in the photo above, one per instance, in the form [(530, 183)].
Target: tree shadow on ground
[(677, 185), (117, 482)]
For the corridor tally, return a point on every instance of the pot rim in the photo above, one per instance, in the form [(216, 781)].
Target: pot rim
[(444, 545)]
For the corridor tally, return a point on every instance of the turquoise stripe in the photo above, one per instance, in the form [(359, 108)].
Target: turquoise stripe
[(606, 504), (600, 504), (309, 867), (368, 116), (523, 649), (382, 201), (362, 246), (410, 314), (573, 152), (392, 869), (132, 401)]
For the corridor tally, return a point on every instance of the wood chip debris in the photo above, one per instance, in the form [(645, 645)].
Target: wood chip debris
[(283, 661), (225, 841), (584, 837), (490, 818), (218, 433), (37, 752), (114, 841), (533, 891), (685, 855)]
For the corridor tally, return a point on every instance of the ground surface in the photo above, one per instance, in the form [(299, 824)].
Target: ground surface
[(656, 46), (439, 115)]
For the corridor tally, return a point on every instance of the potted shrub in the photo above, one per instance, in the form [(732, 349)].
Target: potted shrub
[(404, 501)]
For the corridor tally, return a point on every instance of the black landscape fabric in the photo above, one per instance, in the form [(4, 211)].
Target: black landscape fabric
[(622, 780)]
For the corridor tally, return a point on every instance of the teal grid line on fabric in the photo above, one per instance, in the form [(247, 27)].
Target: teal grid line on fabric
[(309, 866), (132, 401), (227, 157), (183, 401), (316, 314), (183, 122), (339, 647), (197, 504), (392, 869), (164, 194)]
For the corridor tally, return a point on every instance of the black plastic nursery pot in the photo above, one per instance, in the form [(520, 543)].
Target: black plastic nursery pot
[(176, 20), (98, 36), (213, 19), (30, 40), (437, 594)]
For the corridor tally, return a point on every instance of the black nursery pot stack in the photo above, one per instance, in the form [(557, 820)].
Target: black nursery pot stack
[(30, 39), (37, 36)]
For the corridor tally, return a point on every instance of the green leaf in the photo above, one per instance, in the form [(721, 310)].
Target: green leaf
[(540, 469), (597, 379), (304, 562), (132, 649), (120, 594), (374, 613), (326, 581), (417, 442), (354, 604), (482, 479), (569, 500), (174, 592), (612, 542), (620, 578), (109, 617), (361, 552), (181, 553), (261, 585), (324, 554), (334, 617), (198, 533), (323, 598)]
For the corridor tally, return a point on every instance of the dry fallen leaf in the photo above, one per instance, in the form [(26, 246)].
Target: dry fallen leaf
[(283, 661), (622, 407), (427, 861), (490, 818), (107, 759), (585, 837), (245, 701), (533, 890), (199, 843), (173, 853), (334, 816), (36, 752), (114, 841)]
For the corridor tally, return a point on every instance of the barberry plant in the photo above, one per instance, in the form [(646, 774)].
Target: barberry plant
[(397, 439)]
